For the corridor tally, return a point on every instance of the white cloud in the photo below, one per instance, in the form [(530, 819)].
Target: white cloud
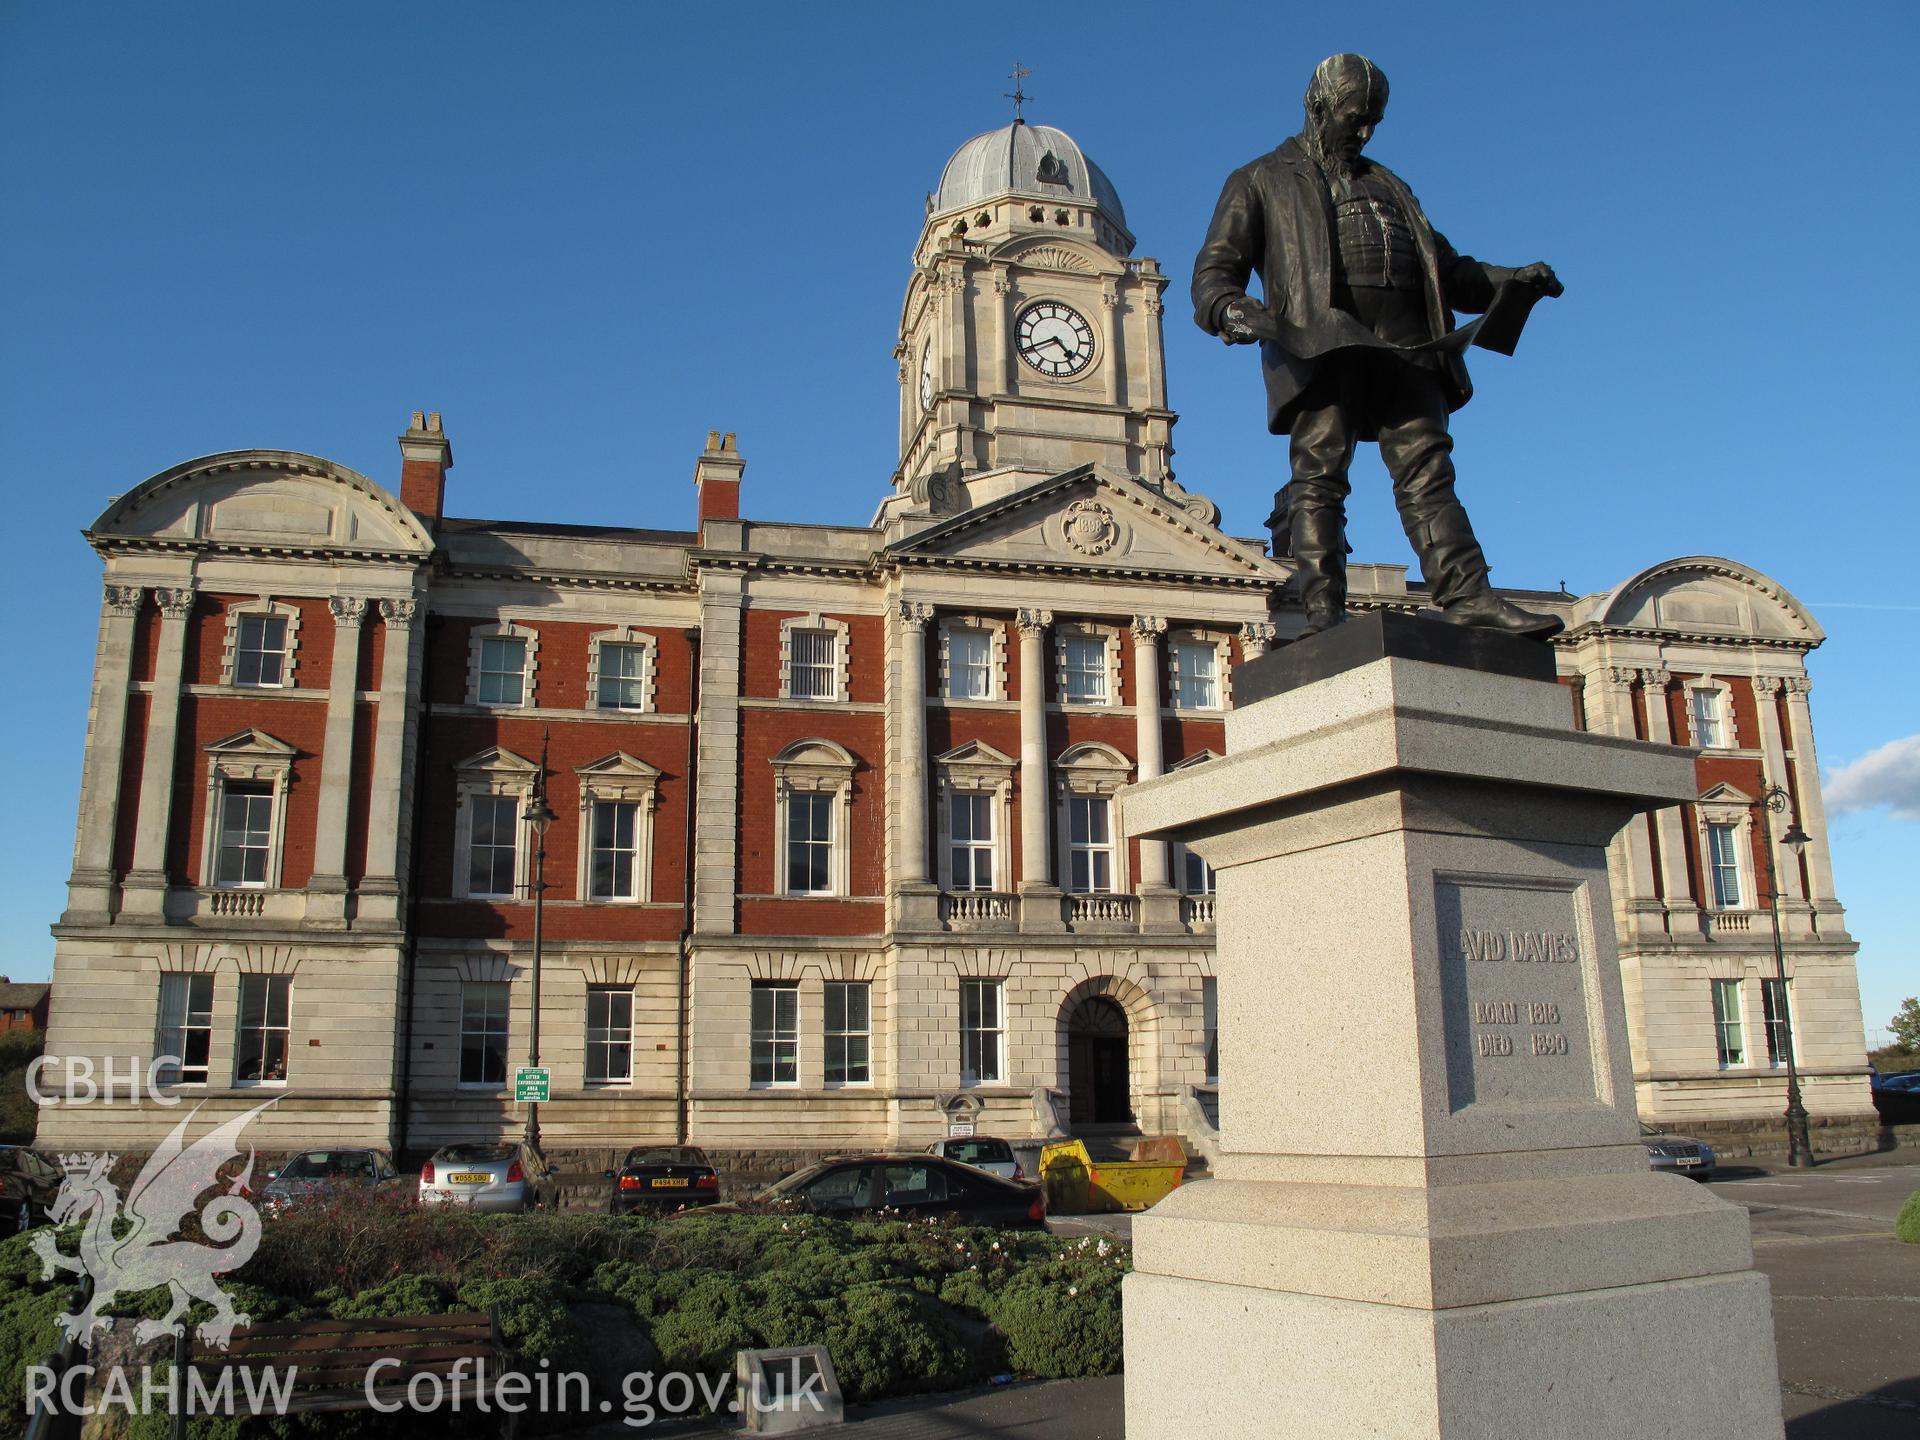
[(1887, 776)]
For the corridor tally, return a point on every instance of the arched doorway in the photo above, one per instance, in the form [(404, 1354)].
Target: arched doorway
[(1097, 1067)]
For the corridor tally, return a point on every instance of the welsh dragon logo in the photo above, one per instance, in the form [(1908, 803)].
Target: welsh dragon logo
[(130, 1247)]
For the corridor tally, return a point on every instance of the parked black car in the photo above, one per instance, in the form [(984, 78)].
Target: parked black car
[(27, 1187), (1897, 1098), (654, 1177), (1681, 1154), (911, 1185)]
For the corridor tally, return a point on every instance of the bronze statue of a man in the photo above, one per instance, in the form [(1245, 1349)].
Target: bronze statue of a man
[(1356, 343)]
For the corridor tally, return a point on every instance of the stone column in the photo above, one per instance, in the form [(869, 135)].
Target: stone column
[(956, 345), (916, 896), (89, 887), (1256, 638), (999, 343), (327, 890), (1159, 903), (1039, 896), (1435, 835), (1683, 912), (1614, 689), (1156, 345), (380, 889), (1813, 809), (1773, 768), (1111, 355), (145, 891)]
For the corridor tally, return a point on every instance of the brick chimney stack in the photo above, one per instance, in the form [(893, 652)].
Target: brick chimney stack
[(425, 458), (717, 478)]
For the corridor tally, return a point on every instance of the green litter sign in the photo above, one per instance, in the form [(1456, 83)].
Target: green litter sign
[(532, 1082)]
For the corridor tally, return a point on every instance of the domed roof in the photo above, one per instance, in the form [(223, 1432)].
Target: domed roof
[(1027, 160)]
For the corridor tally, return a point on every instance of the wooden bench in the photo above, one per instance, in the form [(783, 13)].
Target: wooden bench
[(330, 1361)]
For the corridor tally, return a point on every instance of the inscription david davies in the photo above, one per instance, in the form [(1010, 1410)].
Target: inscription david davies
[(1514, 992), (1521, 946)]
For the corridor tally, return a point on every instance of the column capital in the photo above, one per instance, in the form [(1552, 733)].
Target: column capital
[(1798, 685), (1621, 675), (399, 612), (1766, 685), (348, 610), (121, 599), (1256, 638), (1032, 622), (1655, 678), (1145, 627), (914, 614), (175, 601)]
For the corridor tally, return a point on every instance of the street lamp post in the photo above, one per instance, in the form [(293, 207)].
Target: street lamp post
[(1799, 1145), (539, 816)]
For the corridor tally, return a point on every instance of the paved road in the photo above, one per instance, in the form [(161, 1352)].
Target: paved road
[(1846, 1295)]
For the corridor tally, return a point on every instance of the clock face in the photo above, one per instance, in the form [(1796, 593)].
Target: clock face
[(1054, 339), (926, 377)]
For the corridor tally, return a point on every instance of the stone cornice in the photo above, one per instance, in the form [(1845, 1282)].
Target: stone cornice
[(1593, 630), (111, 545)]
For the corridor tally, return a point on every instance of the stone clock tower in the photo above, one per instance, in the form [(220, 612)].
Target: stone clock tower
[(1030, 340)]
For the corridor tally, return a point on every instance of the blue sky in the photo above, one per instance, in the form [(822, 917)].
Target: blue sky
[(588, 233)]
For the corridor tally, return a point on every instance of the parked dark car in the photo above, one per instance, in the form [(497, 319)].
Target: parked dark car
[(911, 1185), (1897, 1098), (656, 1177), (322, 1173), (27, 1187), (1682, 1154)]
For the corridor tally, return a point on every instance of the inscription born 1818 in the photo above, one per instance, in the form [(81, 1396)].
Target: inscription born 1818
[(1514, 990)]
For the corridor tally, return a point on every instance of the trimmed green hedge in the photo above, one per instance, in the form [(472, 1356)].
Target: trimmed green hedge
[(1907, 1227), (901, 1307)]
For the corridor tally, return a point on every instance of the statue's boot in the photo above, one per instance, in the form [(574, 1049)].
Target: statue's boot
[(1317, 535), (1456, 572)]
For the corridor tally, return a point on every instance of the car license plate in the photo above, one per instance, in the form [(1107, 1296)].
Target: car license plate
[(469, 1178), (1684, 1161), (669, 1184)]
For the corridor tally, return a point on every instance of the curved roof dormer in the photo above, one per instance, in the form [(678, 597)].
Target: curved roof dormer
[(1708, 595), (263, 500)]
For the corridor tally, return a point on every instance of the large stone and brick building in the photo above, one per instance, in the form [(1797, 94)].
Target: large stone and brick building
[(835, 851)]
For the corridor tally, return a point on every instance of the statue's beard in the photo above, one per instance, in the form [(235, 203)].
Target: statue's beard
[(1338, 164)]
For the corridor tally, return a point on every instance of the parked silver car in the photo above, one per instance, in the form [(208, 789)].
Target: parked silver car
[(319, 1173), (500, 1176), (1681, 1154), (983, 1152)]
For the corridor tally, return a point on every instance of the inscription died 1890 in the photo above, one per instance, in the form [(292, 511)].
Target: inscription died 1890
[(1513, 970)]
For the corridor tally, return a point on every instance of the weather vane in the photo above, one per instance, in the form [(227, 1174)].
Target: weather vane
[(1017, 95)]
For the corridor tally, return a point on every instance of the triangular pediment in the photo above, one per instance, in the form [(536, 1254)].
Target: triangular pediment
[(975, 752), (251, 742), (1725, 794), (494, 758), (1198, 758), (619, 766), (1091, 520)]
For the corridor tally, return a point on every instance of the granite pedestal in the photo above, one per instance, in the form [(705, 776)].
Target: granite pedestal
[(1434, 1217)]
